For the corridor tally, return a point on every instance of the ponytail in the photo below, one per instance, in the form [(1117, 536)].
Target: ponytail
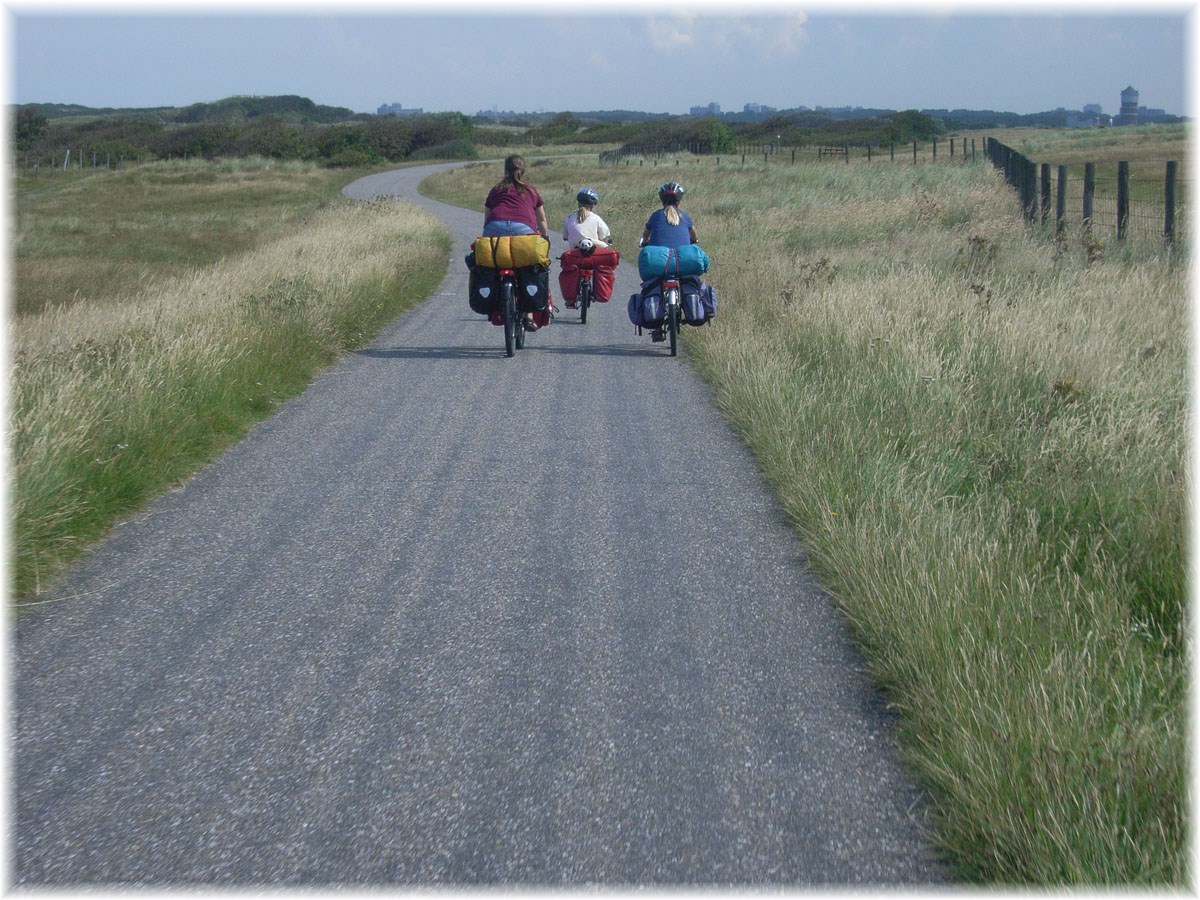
[(584, 212), (672, 214)]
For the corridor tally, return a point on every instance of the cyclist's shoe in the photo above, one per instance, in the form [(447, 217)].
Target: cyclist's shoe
[(530, 325), (658, 335), (570, 304)]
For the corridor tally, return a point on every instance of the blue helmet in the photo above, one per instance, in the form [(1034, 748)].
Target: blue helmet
[(587, 196)]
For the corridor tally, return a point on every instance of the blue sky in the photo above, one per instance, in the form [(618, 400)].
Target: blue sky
[(653, 58)]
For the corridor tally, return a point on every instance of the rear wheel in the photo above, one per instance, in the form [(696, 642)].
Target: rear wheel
[(673, 325), (585, 299), (512, 320)]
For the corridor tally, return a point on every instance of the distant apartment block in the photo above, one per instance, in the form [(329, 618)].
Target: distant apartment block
[(757, 108), (713, 109), (397, 109)]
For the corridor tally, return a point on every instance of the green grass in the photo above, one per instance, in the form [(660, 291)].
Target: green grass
[(979, 434), (122, 391)]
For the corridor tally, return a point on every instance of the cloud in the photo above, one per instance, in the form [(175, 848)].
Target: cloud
[(757, 36)]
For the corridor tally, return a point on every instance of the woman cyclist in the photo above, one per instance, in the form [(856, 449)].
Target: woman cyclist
[(669, 226), (585, 222), (514, 206)]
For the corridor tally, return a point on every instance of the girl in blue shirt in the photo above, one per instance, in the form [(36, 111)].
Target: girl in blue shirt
[(669, 226)]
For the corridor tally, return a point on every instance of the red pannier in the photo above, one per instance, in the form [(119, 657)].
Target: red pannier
[(603, 262)]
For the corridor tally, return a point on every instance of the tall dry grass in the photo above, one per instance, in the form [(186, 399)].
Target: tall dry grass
[(979, 433), (117, 397)]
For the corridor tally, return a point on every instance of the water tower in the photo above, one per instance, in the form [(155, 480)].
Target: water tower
[(1129, 107)]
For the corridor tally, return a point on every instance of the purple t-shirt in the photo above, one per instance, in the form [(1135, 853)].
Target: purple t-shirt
[(663, 234), (507, 203)]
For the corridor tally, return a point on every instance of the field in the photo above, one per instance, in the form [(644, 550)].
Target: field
[(978, 432)]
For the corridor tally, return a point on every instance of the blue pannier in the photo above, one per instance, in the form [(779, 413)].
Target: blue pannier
[(646, 308)]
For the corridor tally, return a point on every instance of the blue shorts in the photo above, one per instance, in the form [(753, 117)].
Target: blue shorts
[(499, 227)]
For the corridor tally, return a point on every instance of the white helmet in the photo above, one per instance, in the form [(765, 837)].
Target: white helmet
[(586, 245)]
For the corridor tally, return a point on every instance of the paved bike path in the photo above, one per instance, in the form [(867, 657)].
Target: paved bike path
[(451, 618)]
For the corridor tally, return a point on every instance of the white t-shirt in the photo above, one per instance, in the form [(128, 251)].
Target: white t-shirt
[(592, 227)]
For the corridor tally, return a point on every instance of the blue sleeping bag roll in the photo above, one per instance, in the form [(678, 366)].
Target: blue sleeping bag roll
[(655, 261)]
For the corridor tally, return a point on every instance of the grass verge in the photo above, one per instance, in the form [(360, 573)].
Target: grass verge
[(117, 396), (979, 434)]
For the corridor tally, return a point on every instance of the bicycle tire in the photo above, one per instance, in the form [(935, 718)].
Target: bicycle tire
[(673, 326), (511, 320), (585, 299)]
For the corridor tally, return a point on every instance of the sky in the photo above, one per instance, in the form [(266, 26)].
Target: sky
[(439, 56)]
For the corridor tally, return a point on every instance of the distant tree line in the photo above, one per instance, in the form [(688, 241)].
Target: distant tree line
[(291, 127)]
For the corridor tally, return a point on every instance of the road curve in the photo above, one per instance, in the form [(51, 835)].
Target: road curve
[(455, 619)]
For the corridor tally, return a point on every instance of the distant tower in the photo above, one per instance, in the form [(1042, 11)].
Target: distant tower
[(1129, 107)]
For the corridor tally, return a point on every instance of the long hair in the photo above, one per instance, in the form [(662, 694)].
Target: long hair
[(514, 174), (671, 211), (584, 212)]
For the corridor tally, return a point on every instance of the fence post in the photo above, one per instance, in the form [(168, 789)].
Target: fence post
[(914, 153), (1045, 192), (1060, 203), (846, 152), (1030, 178), (1089, 192), (1169, 200), (1122, 199)]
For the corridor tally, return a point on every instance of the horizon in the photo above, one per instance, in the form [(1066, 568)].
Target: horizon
[(657, 63)]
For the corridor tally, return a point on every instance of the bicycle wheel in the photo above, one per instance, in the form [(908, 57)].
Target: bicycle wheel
[(673, 326), (512, 319), (585, 299)]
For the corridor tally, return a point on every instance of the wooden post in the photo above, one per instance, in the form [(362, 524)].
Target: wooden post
[(892, 150), (1169, 200), (846, 152), (914, 153), (1089, 192), (1122, 199), (1060, 203), (1045, 192), (935, 149)]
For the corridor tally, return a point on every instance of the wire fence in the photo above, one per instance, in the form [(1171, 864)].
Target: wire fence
[(1122, 201), (1144, 198), (957, 150)]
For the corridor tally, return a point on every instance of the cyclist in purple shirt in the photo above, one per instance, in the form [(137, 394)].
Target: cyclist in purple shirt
[(514, 206), (669, 226)]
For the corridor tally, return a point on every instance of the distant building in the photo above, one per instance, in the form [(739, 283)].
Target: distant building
[(1087, 119), (713, 109), (1129, 108), (1147, 115), (397, 109), (757, 108), (1092, 109)]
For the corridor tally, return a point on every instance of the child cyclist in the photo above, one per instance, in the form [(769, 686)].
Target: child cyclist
[(585, 222), (586, 233)]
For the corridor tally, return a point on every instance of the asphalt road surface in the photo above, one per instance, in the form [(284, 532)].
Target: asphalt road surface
[(450, 618)]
